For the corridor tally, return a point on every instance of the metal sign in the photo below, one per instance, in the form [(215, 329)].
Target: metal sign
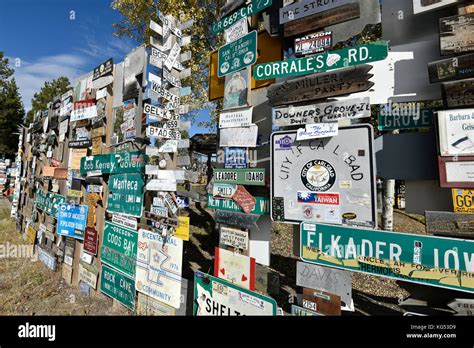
[(436, 261), (456, 132), (239, 137), (463, 201), (105, 68), (72, 220), (235, 157), (87, 275), (307, 8), (313, 43), (234, 238), (159, 264), (217, 297), (343, 164), (456, 171), (118, 286), (125, 221), (238, 54), (317, 131), (125, 162), (455, 34), (323, 62), (163, 133), (458, 94), (301, 312), (462, 306), (443, 223), (244, 199), (322, 112), (455, 68), (91, 241), (321, 302), (254, 176), (235, 268), (236, 118), (405, 120), (119, 248), (126, 194), (83, 110)]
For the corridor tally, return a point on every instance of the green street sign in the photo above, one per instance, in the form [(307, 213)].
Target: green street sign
[(262, 207), (255, 7), (49, 201), (254, 176), (57, 200), (420, 119), (125, 162), (118, 286), (323, 62), (119, 248), (237, 55), (126, 194), (436, 261)]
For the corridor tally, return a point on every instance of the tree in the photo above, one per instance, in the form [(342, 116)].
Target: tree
[(48, 92), (11, 110), (136, 15)]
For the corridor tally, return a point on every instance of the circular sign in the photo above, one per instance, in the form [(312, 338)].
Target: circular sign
[(318, 176)]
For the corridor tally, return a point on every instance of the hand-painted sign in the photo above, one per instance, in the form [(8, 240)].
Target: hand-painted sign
[(119, 248), (125, 162), (458, 94), (235, 268), (455, 68), (323, 62), (443, 223), (253, 8), (217, 297), (405, 120), (239, 137), (236, 118), (238, 54), (306, 8), (321, 85), (235, 157), (455, 34), (234, 238), (456, 132), (323, 112), (126, 194), (254, 176), (159, 264), (342, 164), (262, 205), (435, 261), (72, 220), (313, 43), (118, 286), (244, 199), (463, 201), (321, 302)]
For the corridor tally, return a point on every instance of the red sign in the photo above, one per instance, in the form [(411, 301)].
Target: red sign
[(244, 199), (90, 241), (55, 163)]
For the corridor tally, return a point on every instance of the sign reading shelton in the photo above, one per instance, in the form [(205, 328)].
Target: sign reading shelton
[(126, 162), (126, 194), (436, 261), (237, 54)]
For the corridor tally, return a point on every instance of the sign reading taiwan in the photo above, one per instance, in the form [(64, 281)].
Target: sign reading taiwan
[(240, 176), (72, 220), (342, 58), (217, 297), (125, 162), (159, 265), (428, 260), (126, 194), (119, 248), (118, 286), (238, 54)]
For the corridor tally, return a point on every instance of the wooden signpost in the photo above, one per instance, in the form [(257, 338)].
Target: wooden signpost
[(442, 223), (455, 34)]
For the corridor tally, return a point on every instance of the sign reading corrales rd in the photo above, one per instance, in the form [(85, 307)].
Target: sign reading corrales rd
[(323, 62)]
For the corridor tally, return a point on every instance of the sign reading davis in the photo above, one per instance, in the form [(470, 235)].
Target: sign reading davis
[(240, 176), (436, 261), (125, 162), (126, 194), (118, 286), (238, 54), (323, 62)]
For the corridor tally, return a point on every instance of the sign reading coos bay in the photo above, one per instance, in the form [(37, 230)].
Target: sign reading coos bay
[(436, 261)]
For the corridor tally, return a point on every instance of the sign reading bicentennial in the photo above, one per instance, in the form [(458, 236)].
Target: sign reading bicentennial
[(72, 220), (237, 54), (126, 194), (323, 62), (328, 180), (118, 286), (428, 260), (217, 297), (126, 162)]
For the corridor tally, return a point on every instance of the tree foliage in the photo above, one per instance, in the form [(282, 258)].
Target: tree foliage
[(136, 15), (48, 92), (11, 109)]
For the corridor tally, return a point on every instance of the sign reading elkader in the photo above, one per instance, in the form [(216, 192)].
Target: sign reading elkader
[(237, 54)]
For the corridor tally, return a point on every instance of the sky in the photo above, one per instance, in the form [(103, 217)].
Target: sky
[(43, 40)]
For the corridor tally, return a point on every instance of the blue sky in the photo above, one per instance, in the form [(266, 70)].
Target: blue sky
[(41, 36)]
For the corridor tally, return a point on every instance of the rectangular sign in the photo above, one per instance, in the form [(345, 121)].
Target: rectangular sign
[(125, 162), (87, 276), (239, 137), (463, 201), (234, 238), (255, 176), (159, 265), (118, 286), (455, 34), (313, 43), (91, 241), (103, 69), (456, 171), (126, 194), (301, 312), (235, 268), (217, 297), (345, 57), (420, 6), (405, 120), (455, 68), (83, 110), (236, 31), (232, 218), (306, 8), (443, 223), (236, 118), (235, 157), (238, 54), (456, 132), (317, 130), (321, 302), (164, 133), (72, 220), (435, 261), (458, 94)]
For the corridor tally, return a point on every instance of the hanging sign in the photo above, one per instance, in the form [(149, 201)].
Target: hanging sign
[(239, 137), (83, 110), (455, 68), (159, 264), (72, 220), (254, 176), (236, 118), (463, 201), (237, 55), (456, 132), (342, 58), (126, 194), (313, 43), (234, 238), (125, 162), (324, 112), (235, 268), (118, 286), (217, 297), (455, 34), (262, 205)]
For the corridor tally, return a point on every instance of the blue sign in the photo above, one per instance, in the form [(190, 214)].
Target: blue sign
[(183, 202), (72, 220), (235, 158)]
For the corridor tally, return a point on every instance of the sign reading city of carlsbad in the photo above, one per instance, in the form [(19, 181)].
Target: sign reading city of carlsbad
[(436, 261), (328, 180)]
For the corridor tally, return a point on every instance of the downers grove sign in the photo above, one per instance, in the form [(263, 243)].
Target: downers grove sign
[(237, 54), (436, 261)]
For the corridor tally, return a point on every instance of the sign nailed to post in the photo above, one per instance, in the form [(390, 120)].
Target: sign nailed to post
[(118, 286), (126, 194), (240, 176), (306, 8), (238, 54), (72, 220)]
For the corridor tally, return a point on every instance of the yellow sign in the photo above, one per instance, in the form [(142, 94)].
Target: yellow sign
[(268, 50), (96, 146), (182, 231), (30, 235), (463, 201), (74, 193)]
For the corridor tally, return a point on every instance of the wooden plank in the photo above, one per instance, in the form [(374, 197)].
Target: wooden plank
[(455, 68), (458, 94), (323, 19), (450, 224), (455, 34), (321, 302), (321, 85)]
